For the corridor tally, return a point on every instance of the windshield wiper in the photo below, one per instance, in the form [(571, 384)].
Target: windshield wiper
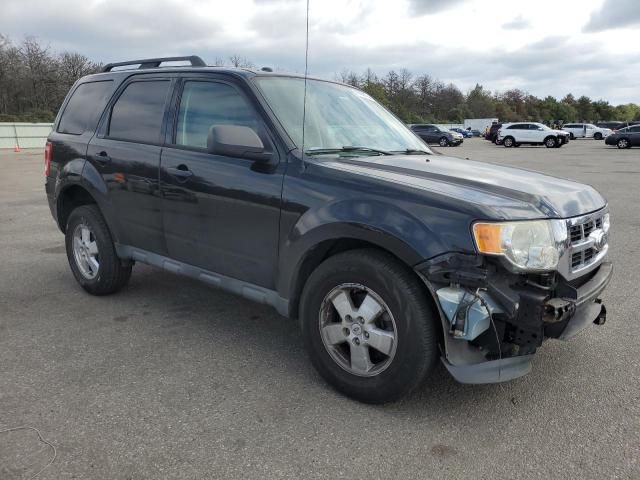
[(347, 149), (413, 151)]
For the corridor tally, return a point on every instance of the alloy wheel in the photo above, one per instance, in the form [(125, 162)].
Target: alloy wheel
[(85, 251), (358, 330)]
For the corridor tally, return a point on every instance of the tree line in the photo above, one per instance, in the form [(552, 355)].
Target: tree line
[(34, 81), (422, 98)]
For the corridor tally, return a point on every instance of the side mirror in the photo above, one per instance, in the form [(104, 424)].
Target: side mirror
[(236, 141)]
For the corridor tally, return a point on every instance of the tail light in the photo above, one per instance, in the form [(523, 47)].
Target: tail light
[(47, 159)]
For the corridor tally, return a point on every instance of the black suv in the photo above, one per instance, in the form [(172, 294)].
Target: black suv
[(492, 134), (438, 135), (336, 214)]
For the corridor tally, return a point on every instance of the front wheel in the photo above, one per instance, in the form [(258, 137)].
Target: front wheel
[(91, 253), (623, 143), (550, 142), (368, 326), (443, 142), (508, 142)]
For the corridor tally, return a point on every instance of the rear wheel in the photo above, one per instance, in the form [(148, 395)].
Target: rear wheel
[(623, 143), (550, 142), (368, 326), (91, 253), (443, 142), (597, 136)]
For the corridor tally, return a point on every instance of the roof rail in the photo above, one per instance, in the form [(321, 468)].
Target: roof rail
[(155, 62)]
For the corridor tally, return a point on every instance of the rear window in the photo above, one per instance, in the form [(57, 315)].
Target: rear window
[(84, 107), (137, 114)]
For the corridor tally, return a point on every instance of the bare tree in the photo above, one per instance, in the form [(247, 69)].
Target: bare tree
[(240, 62)]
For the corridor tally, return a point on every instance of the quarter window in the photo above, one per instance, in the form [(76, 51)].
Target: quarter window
[(84, 107), (137, 115), (205, 104)]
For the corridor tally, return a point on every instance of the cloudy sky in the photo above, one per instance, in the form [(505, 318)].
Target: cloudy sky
[(547, 47)]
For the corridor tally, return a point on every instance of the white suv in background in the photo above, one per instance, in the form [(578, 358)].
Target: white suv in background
[(586, 130), (530, 133)]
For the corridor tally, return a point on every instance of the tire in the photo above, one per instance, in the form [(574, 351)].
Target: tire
[(508, 142), (597, 136), (443, 142), (99, 271), (550, 142), (379, 279), (623, 143)]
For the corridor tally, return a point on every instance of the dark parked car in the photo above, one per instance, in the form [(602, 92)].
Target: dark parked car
[(475, 133), (611, 125), (492, 135), (463, 132), (391, 257), (433, 134), (625, 138)]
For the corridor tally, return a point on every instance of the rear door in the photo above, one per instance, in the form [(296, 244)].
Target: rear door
[(220, 213), (126, 152), (520, 132), (573, 129)]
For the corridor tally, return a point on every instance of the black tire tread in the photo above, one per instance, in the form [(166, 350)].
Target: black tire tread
[(402, 284), (113, 273)]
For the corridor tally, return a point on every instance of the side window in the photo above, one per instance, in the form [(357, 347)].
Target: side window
[(137, 115), (84, 107), (635, 129), (205, 104)]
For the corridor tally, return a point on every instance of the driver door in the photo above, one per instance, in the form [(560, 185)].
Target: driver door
[(220, 213)]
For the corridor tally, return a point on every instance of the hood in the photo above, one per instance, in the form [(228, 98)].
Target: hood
[(498, 192), (562, 132)]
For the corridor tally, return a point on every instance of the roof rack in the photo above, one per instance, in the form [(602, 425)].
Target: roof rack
[(155, 62)]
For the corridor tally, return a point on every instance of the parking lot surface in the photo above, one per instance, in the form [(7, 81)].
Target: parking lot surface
[(172, 379)]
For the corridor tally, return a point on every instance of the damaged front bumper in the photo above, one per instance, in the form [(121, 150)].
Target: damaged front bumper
[(521, 314)]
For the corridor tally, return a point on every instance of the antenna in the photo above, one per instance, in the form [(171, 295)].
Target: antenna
[(306, 72)]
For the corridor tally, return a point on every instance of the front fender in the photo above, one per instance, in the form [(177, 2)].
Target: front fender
[(375, 222)]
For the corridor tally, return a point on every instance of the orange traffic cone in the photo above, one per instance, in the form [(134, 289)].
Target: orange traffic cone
[(16, 148)]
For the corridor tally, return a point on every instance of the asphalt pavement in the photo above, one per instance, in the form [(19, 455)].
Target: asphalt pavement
[(173, 379)]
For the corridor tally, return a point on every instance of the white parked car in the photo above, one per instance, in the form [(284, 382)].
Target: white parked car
[(531, 133), (586, 130)]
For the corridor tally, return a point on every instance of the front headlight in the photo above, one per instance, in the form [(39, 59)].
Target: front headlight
[(528, 245)]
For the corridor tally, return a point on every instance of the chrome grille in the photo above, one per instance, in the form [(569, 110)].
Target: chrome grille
[(582, 254)]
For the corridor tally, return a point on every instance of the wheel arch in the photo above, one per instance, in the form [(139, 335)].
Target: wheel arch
[(327, 248), (71, 197)]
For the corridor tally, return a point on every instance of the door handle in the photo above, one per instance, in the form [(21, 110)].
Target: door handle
[(181, 171), (102, 157)]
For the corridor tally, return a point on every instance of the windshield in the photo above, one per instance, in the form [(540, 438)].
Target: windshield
[(336, 116)]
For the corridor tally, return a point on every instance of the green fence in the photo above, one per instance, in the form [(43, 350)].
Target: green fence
[(24, 135)]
